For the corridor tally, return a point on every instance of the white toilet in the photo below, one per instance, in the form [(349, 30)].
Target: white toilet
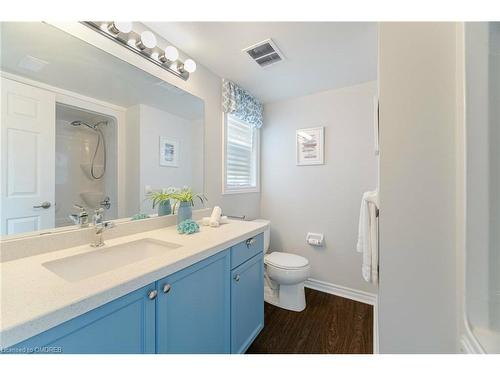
[(284, 275)]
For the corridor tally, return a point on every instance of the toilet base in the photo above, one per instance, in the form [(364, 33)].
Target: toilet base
[(289, 297)]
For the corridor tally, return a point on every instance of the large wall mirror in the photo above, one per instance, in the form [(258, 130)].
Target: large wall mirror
[(82, 128)]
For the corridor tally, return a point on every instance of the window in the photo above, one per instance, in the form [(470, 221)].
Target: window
[(241, 157)]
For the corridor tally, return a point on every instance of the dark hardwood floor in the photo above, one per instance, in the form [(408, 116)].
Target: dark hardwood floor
[(328, 325)]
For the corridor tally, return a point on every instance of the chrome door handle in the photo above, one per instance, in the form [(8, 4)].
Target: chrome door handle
[(250, 241), (152, 294), (166, 288), (44, 205), (236, 278)]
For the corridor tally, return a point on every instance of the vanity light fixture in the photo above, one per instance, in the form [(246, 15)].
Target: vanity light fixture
[(144, 44)]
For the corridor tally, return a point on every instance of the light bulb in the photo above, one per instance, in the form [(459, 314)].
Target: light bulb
[(171, 53), (132, 42), (189, 65), (123, 27), (148, 40)]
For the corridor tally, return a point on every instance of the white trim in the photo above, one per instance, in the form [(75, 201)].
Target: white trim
[(342, 291), (355, 295), (244, 190)]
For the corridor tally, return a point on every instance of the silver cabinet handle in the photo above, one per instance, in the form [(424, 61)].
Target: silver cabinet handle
[(44, 205), (236, 278), (152, 294), (250, 241), (166, 288)]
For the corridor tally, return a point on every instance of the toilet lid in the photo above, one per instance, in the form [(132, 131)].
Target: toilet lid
[(286, 260)]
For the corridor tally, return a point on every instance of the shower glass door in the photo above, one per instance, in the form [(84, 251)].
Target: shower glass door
[(482, 46)]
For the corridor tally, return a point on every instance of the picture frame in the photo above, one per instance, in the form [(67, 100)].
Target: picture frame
[(309, 143), (169, 152)]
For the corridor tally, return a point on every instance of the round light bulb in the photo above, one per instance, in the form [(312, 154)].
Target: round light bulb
[(171, 53), (148, 39), (189, 65), (123, 27)]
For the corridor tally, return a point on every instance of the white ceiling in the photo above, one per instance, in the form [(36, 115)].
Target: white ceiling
[(319, 55), (79, 67)]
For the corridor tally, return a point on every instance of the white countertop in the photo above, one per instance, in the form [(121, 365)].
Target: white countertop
[(34, 299)]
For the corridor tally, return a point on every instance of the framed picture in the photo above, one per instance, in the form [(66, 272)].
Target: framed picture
[(310, 146), (169, 152)]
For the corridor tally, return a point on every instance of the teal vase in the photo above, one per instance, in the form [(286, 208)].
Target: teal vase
[(164, 208), (184, 212)]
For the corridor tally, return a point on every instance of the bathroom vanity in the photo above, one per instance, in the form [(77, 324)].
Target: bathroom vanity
[(150, 292)]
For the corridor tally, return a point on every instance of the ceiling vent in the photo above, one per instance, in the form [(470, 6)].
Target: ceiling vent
[(265, 53)]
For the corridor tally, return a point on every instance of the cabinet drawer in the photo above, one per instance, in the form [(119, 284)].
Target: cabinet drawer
[(245, 250)]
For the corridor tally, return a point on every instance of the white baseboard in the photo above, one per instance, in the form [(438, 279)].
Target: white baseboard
[(342, 291), (355, 295)]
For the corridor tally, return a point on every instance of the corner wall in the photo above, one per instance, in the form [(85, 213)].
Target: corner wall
[(418, 107)]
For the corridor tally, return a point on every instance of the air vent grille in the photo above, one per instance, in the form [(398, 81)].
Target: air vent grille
[(265, 53)]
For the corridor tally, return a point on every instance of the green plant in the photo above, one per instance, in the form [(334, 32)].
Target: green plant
[(159, 197), (186, 195)]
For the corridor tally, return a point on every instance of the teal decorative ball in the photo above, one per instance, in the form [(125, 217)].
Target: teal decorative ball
[(188, 227)]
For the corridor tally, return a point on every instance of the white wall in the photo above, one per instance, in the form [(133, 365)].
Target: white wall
[(417, 291), (154, 123), (323, 198)]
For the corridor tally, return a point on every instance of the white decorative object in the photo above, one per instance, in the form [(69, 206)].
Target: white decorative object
[(169, 152), (310, 146)]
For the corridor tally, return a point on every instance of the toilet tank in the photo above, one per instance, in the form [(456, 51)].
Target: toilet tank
[(267, 233)]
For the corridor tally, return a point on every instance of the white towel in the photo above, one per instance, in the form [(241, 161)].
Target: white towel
[(368, 236)]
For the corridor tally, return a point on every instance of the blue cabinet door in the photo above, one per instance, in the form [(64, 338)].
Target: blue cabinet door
[(125, 325), (247, 303), (193, 308)]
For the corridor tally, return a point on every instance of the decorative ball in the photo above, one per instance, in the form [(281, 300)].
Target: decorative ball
[(188, 227)]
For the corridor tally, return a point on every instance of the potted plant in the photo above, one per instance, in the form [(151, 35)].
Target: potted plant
[(185, 201), (162, 200)]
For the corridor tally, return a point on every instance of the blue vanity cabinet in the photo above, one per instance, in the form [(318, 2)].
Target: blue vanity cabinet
[(193, 308), (125, 325), (247, 303)]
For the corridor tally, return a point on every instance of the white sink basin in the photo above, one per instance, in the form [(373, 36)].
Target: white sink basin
[(82, 266)]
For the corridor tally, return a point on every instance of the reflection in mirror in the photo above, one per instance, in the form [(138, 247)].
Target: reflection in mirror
[(83, 130)]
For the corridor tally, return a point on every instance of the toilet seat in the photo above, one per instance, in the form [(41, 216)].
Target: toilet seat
[(286, 261)]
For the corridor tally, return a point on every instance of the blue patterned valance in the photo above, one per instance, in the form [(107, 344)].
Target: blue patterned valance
[(241, 104)]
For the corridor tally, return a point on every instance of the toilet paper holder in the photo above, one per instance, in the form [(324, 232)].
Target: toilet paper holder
[(315, 239)]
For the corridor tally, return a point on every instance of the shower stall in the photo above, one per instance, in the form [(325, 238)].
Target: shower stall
[(85, 171), (482, 255)]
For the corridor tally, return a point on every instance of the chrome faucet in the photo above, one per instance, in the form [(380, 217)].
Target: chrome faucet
[(100, 226), (81, 218)]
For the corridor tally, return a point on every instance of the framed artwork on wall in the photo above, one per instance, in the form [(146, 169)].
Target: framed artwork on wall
[(169, 152), (310, 146)]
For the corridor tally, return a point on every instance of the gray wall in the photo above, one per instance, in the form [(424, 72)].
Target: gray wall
[(417, 291), (322, 198)]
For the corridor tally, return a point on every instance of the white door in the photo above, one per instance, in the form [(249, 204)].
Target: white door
[(28, 151)]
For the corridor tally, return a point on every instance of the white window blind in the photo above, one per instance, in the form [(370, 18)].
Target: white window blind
[(241, 156)]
